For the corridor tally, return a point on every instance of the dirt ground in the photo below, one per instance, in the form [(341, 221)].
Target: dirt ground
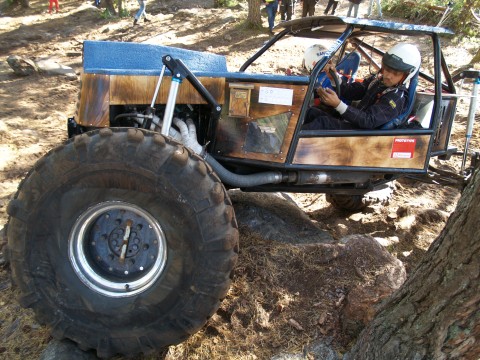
[(33, 113)]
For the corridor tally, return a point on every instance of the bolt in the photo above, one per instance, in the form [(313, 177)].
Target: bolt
[(107, 216), (110, 269), (93, 243), (141, 268), (126, 272)]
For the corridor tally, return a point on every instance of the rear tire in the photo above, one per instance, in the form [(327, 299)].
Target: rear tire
[(66, 229)]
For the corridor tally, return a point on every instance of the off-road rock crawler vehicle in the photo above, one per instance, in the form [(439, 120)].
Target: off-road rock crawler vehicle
[(123, 239)]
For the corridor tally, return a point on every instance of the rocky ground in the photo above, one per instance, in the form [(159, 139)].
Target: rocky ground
[(286, 298)]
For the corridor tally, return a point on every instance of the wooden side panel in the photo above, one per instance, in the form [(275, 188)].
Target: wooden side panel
[(135, 89), (404, 152), (274, 122), (93, 105)]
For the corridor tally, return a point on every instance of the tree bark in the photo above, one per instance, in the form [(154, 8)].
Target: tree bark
[(254, 19), (23, 3), (436, 313), (110, 7), (120, 7)]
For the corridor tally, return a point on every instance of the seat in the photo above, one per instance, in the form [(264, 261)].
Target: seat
[(349, 64), (348, 67), (402, 118)]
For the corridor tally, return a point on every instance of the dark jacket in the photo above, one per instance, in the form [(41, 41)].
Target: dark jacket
[(378, 103)]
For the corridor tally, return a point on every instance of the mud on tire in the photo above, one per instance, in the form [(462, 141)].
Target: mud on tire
[(122, 241)]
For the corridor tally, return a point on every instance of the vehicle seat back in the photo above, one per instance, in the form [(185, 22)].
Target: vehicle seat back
[(348, 67), (403, 117), (349, 64)]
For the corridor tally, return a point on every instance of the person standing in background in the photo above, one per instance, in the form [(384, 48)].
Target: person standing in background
[(287, 8), (50, 6), (141, 12), (271, 6), (354, 4), (379, 8), (332, 4), (308, 8)]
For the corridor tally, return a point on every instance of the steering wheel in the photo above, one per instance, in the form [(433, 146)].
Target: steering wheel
[(335, 80)]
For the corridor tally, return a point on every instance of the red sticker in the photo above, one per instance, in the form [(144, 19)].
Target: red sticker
[(403, 148)]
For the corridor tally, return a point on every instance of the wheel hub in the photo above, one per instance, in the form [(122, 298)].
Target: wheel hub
[(117, 249)]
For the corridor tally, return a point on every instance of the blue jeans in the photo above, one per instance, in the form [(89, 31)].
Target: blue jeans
[(141, 11), (271, 12)]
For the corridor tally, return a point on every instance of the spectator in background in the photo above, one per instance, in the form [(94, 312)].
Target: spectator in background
[(354, 4), (271, 6), (141, 12), (287, 8), (50, 6), (332, 4), (379, 8), (308, 8)]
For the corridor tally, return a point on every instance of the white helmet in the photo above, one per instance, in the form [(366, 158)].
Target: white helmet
[(312, 54), (403, 57)]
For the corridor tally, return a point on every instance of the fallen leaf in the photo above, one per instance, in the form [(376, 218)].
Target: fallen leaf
[(295, 324)]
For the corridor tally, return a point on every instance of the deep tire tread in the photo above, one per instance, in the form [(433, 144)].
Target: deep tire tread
[(150, 154)]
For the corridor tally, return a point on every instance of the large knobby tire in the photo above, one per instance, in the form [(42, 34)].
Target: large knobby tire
[(123, 241)]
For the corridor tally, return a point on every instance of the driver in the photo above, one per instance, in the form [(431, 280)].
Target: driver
[(383, 96)]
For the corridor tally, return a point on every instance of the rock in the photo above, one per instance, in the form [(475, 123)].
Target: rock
[(51, 67), (274, 216), (65, 349), (387, 241), (406, 223), (321, 350), (318, 350), (357, 217), (380, 274), (284, 356), (21, 65)]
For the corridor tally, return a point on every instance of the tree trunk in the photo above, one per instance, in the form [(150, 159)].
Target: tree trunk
[(110, 7), (436, 313), (476, 58), (23, 3), (254, 19), (120, 7)]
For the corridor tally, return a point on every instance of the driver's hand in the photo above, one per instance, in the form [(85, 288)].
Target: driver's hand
[(328, 97), (328, 69)]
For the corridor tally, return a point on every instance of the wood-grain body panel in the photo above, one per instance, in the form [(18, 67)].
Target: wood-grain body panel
[(94, 102), (129, 89), (362, 151), (232, 131)]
